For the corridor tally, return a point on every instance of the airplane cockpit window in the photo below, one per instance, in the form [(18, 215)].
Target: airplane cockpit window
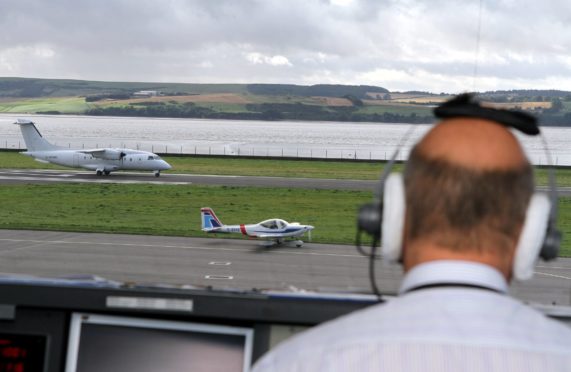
[(150, 157), (270, 224)]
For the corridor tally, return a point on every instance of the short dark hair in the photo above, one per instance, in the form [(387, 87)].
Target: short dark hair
[(461, 208)]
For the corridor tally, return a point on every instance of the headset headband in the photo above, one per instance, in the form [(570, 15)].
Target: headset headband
[(466, 105)]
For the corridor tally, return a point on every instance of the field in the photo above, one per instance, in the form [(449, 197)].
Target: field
[(65, 105), (220, 98), (175, 210)]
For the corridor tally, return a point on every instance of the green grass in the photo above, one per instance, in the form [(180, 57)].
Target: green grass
[(275, 168), (65, 105), (175, 210)]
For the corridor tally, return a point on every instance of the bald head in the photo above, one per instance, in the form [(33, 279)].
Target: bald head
[(467, 184), (474, 144)]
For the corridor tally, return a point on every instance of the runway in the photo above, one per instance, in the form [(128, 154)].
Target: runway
[(23, 176), (226, 263), (29, 176)]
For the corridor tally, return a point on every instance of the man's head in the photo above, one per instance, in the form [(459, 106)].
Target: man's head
[(468, 184)]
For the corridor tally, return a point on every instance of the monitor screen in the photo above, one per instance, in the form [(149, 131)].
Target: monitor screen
[(111, 343)]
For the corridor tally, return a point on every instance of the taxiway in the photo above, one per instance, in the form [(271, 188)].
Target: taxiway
[(29, 176), (227, 263)]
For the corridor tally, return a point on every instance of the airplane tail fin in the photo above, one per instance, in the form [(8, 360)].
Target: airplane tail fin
[(33, 138), (209, 220)]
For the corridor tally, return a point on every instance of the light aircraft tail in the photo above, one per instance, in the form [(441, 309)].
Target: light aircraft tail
[(33, 138), (209, 220)]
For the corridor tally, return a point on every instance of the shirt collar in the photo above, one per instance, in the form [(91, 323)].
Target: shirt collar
[(452, 271)]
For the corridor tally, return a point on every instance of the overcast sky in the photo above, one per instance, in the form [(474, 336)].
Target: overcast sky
[(401, 45)]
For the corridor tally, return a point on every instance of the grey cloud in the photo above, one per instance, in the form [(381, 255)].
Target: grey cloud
[(209, 41)]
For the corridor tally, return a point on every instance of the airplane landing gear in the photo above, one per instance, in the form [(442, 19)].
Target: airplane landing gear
[(99, 173), (298, 243), (157, 173), (106, 173)]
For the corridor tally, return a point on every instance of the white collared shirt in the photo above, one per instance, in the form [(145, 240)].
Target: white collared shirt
[(433, 329)]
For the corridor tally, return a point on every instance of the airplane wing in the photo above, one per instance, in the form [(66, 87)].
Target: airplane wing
[(270, 236), (110, 154)]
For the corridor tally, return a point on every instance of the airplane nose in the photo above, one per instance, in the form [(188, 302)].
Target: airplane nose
[(165, 165), (309, 227)]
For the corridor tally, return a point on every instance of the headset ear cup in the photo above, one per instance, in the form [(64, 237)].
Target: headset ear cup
[(392, 225), (532, 236)]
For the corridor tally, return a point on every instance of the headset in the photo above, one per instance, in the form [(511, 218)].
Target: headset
[(384, 218)]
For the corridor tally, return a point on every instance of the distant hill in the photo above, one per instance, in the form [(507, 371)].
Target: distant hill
[(321, 90), (551, 93), (34, 88), (321, 102)]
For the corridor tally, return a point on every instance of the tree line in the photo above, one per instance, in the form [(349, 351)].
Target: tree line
[(263, 111)]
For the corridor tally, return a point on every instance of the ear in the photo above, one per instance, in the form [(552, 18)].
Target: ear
[(532, 236), (392, 226)]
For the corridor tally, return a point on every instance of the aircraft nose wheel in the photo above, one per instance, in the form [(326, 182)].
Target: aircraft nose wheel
[(107, 173), (157, 173)]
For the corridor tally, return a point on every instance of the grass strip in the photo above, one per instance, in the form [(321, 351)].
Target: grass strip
[(174, 210)]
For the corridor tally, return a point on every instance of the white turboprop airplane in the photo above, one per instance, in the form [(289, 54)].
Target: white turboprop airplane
[(275, 231), (102, 161)]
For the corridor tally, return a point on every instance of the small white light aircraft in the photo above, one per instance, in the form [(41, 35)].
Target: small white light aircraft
[(275, 231), (102, 161)]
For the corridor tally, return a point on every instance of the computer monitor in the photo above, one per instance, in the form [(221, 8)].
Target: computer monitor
[(113, 343)]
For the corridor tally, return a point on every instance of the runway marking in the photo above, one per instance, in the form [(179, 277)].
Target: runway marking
[(181, 247), (225, 277), (554, 267), (553, 275), (220, 263), (34, 173)]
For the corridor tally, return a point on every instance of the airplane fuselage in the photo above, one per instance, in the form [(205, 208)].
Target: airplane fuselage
[(275, 229), (132, 160), (256, 230)]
